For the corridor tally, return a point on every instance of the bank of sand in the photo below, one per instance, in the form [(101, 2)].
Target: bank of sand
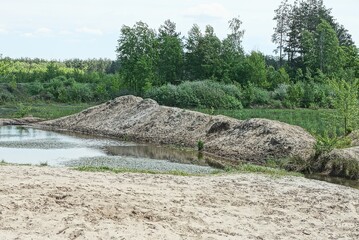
[(59, 203)]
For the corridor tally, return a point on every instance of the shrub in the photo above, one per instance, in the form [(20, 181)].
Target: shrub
[(281, 92), (295, 94), (22, 110), (254, 95), (5, 96), (198, 94)]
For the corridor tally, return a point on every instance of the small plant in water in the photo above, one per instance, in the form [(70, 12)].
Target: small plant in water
[(200, 145)]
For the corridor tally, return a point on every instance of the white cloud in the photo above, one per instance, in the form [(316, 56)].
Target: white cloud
[(43, 30), (38, 32), (28, 34), (213, 10), (65, 32), (3, 31), (87, 30)]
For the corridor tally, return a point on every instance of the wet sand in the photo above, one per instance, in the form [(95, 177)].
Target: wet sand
[(60, 203)]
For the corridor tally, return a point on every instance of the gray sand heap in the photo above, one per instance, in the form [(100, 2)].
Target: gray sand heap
[(144, 120)]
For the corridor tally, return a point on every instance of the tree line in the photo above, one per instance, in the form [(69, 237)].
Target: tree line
[(200, 69)]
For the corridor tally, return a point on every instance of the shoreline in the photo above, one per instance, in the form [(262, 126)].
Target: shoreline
[(60, 203)]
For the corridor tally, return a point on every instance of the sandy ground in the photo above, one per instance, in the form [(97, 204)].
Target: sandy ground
[(49, 203)]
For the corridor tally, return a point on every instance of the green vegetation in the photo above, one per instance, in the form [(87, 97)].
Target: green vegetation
[(125, 170), (41, 110), (200, 145), (313, 82), (4, 163), (346, 102), (243, 168), (206, 94), (317, 122), (250, 168), (200, 70)]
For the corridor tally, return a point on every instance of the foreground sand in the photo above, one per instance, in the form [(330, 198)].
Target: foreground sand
[(48, 203)]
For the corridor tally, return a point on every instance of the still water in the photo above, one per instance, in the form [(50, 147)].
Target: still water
[(22, 145)]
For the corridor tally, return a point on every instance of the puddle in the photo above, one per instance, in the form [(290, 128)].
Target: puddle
[(22, 145)]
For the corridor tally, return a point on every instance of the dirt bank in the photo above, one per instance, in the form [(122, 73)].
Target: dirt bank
[(19, 121), (50, 203), (137, 119)]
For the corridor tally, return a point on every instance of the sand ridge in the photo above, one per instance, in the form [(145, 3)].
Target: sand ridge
[(60, 203)]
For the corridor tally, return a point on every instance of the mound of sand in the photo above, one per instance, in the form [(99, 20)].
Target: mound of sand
[(144, 120), (50, 203)]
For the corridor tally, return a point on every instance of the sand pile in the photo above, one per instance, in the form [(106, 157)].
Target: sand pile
[(134, 118)]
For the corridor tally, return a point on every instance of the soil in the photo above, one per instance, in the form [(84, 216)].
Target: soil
[(59, 203)]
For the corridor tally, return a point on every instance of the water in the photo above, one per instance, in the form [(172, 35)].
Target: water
[(335, 180), (23, 145)]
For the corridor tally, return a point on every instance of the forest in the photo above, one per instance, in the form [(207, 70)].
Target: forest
[(315, 66)]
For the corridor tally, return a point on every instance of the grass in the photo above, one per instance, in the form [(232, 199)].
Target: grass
[(250, 168), (243, 168), (44, 110), (316, 122), (4, 163), (127, 170)]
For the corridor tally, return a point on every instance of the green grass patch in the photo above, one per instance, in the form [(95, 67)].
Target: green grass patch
[(42, 110), (127, 170), (4, 163), (250, 168), (243, 168), (317, 122)]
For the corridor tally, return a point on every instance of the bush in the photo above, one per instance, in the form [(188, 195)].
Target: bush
[(23, 110), (295, 94), (254, 96), (198, 94), (5, 97), (281, 92)]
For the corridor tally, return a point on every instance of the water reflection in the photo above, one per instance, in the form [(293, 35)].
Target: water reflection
[(156, 152), (21, 145)]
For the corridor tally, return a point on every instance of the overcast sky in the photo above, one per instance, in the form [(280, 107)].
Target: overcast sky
[(62, 29)]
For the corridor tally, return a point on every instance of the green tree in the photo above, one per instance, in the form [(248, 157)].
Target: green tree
[(210, 49), (171, 55), (292, 20), (193, 55), (346, 103), (232, 53), (281, 30), (138, 55), (254, 70), (328, 50)]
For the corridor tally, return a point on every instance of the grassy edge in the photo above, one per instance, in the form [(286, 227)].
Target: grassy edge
[(251, 168), (128, 170), (243, 168), (41, 164)]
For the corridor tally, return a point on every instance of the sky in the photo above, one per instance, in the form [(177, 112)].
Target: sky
[(63, 29)]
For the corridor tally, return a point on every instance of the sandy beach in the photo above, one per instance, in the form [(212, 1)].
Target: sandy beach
[(60, 203)]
